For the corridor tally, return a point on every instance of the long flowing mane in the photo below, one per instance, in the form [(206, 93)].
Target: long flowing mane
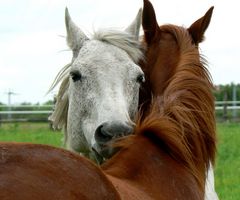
[(116, 38), (182, 120)]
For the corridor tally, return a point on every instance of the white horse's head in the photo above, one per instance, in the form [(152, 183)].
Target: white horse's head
[(98, 96)]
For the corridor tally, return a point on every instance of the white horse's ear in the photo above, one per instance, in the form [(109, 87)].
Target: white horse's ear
[(134, 27), (75, 37)]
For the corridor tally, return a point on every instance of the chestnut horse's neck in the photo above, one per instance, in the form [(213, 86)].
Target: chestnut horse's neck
[(145, 169), (180, 89)]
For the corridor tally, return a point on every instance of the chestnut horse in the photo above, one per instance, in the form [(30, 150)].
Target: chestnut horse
[(165, 159), (162, 57)]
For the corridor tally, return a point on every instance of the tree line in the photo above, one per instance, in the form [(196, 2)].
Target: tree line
[(226, 92), (24, 107)]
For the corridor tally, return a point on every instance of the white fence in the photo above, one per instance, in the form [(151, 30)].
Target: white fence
[(25, 112), (33, 112), (231, 105)]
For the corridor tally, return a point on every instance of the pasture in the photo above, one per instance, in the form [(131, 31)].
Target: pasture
[(30, 132), (227, 173)]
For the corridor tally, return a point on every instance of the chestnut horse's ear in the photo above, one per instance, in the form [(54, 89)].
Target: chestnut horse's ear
[(198, 28), (149, 21)]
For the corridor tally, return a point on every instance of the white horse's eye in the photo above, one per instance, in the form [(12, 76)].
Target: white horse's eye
[(76, 76), (141, 78)]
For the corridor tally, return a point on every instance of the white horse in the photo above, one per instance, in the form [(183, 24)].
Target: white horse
[(98, 95)]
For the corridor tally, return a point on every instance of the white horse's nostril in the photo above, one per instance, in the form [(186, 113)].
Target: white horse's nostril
[(111, 130), (102, 135)]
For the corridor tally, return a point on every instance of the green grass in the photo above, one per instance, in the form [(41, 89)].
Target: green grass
[(227, 172), (30, 132)]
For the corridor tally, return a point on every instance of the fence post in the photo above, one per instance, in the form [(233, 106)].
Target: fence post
[(225, 98), (234, 104)]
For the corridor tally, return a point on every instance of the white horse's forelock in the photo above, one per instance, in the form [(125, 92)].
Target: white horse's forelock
[(120, 39)]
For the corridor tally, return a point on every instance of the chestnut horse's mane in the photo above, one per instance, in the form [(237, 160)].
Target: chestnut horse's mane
[(182, 121)]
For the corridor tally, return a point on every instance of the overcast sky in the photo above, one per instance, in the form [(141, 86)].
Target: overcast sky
[(33, 49)]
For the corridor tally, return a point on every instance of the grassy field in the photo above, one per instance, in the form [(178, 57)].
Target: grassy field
[(227, 172), (30, 132)]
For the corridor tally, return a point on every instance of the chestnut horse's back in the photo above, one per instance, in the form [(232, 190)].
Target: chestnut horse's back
[(40, 172)]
